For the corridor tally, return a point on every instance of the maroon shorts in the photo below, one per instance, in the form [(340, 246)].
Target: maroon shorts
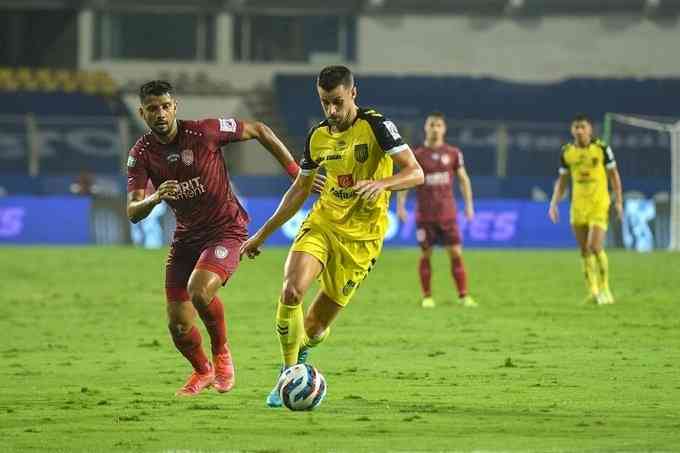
[(220, 256), (446, 232)]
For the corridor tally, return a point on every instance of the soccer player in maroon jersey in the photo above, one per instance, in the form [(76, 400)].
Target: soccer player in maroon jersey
[(436, 207), (183, 160)]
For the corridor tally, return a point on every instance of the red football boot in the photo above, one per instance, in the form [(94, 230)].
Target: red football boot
[(225, 377), (196, 383)]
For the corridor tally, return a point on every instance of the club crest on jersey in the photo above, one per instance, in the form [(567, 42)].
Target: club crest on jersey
[(187, 157), (361, 153), (221, 252), (345, 181), (446, 159)]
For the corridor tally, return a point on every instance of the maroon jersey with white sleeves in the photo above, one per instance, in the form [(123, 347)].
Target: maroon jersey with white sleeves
[(435, 200), (206, 207)]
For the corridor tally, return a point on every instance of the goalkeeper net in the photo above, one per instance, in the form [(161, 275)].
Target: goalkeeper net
[(667, 208)]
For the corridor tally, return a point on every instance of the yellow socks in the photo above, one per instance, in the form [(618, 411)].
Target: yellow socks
[(590, 272), (290, 329), (603, 264), (308, 342)]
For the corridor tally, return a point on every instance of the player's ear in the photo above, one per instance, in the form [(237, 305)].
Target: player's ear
[(141, 112), (354, 92)]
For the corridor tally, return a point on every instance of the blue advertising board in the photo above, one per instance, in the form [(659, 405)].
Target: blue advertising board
[(45, 220), (498, 223)]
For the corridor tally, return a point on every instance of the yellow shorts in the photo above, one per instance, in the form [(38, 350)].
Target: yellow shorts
[(346, 263), (590, 214)]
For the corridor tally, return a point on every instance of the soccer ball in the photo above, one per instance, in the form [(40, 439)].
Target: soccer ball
[(302, 387)]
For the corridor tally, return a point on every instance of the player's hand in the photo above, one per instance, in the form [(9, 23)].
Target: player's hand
[(554, 213), (402, 213), (251, 248), (469, 212), (369, 190), (168, 190), (618, 206), (319, 183)]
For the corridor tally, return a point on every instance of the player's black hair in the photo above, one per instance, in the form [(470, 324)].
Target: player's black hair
[(331, 77), (436, 114), (582, 117), (155, 88)]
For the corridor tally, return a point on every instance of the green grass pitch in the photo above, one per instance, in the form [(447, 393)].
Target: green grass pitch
[(86, 363)]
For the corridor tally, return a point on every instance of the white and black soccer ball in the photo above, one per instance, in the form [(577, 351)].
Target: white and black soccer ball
[(302, 387)]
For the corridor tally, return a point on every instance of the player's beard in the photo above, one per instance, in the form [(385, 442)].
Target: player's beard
[(164, 130), (340, 124)]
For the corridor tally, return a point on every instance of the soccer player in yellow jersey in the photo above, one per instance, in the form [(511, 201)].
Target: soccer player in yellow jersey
[(342, 237), (590, 162)]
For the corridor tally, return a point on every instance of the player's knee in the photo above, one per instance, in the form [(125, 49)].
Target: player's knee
[(595, 248), (427, 253), (178, 329), (199, 296), (456, 251), (291, 294)]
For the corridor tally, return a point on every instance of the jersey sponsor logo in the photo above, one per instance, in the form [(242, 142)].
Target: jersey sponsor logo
[(392, 129), (361, 153), (343, 194), (345, 181), (190, 189), (131, 161), (221, 252), (446, 160), (227, 125), (440, 178), (187, 157), (330, 157)]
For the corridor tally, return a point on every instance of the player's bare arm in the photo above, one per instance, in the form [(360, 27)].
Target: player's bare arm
[(466, 190), (139, 206), (290, 204), (558, 194), (402, 195), (409, 175), (271, 142), (615, 181)]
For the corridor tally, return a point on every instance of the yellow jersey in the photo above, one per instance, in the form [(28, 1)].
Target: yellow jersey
[(362, 152), (588, 168)]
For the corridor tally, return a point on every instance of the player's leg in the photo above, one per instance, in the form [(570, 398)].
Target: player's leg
[(320, 315), (187, 340), (300, 271), (181, 316), (455, 252), (213, 269), (596, 238), (426, 238), (425, 274), (581, 233)]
